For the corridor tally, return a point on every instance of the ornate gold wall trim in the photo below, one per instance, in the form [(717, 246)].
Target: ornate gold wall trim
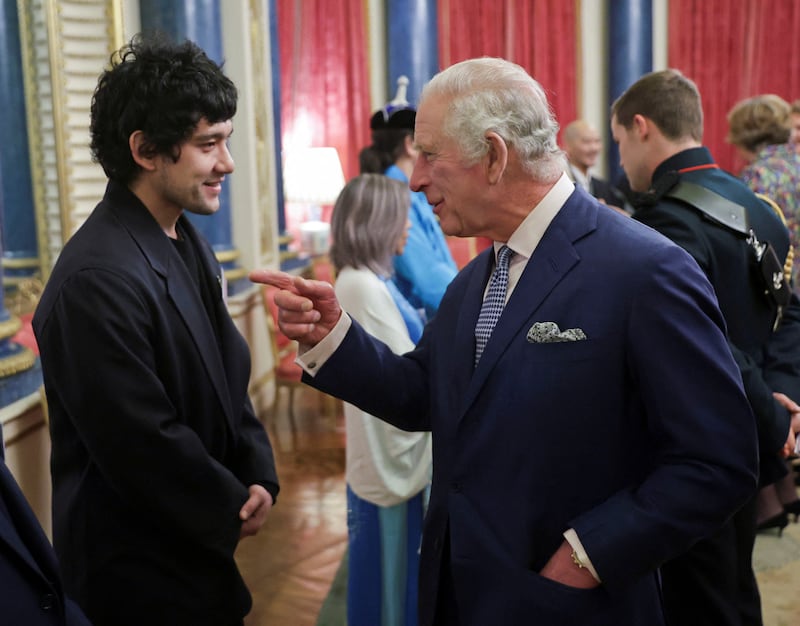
[(20, 263), (33, 103), (16, 363), (56, 81), (9, 328), (235, 274), (285, 255), (13, 281), (261, 84), (227, 256), (65, 45)]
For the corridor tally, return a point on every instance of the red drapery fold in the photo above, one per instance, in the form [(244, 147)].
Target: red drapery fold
[(324, 79), (539, 35), (734, 49)]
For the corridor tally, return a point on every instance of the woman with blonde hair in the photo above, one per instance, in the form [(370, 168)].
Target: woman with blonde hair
[(760, 127)]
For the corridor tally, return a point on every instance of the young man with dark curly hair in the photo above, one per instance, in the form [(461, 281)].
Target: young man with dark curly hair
[(159, 464)]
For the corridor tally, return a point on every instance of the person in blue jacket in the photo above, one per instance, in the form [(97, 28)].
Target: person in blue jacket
[(426, 267)]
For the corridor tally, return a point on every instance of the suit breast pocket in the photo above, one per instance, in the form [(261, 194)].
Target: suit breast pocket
[(570, 351)]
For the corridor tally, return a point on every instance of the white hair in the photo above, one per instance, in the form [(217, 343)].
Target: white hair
[(492, 94)]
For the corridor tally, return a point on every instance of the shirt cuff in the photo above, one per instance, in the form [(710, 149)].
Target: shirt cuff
[(313, 358), (572, 538)]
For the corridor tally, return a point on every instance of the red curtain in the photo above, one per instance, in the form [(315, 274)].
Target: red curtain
[(324, 79), (734, 49), (539, 35)]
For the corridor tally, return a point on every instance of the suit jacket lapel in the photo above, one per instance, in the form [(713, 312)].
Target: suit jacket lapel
[(552, 259), (165, 260), (190, 305)]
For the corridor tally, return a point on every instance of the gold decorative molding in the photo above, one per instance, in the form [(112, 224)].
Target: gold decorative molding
[(235, 274), (65, 45), (26, 296), (285, 255), (34, 103), (20, 263), (57, 83), (227, 256), (10, 327), (16, 363), (260, 82), (12, 282), (114, 10)]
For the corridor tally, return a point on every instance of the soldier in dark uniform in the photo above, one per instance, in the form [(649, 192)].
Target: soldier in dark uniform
[(741, 244)]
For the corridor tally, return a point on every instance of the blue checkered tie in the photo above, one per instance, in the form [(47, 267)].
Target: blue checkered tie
[(493, 303)]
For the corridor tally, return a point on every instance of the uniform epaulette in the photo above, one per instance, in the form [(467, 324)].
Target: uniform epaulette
[(712, 205), (733, 216)]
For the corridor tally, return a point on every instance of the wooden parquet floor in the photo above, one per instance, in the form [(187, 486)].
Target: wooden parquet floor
[(290, 564)]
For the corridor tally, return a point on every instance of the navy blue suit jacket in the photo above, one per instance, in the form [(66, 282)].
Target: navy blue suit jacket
[(633, 437), (31, 591)]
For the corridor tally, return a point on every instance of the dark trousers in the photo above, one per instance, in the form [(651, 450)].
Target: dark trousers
[(713, 584)]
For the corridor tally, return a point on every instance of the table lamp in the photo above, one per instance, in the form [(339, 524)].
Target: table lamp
[(313, 177)]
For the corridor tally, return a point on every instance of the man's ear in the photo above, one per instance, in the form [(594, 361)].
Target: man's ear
[(496, 157), (140, 151), (641, 125), (408, 145)]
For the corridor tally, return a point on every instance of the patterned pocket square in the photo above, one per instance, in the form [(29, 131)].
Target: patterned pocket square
[(549, 332)]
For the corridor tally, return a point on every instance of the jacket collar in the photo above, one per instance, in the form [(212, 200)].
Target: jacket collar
[(166, 262), (686, 158)]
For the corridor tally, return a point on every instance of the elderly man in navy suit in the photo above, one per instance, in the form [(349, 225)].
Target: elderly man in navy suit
[(608, 347), (31, 591)]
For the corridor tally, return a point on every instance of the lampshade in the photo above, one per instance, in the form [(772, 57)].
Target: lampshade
[(312, 175)]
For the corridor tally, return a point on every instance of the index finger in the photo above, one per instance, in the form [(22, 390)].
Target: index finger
[(281, 280)]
